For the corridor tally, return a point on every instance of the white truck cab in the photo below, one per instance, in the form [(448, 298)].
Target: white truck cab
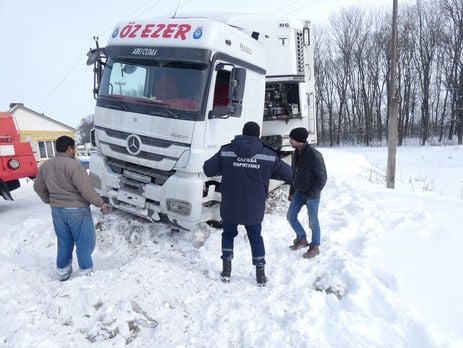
[(171, 91)]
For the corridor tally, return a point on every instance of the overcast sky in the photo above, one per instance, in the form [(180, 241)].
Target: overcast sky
[(44, 43)]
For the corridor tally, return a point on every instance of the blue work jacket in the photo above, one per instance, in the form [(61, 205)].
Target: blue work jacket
[(246, 166)]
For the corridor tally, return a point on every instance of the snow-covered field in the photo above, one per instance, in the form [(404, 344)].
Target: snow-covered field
[(388, 274)]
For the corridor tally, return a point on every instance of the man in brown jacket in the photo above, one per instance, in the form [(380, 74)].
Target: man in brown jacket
[(63, 183)]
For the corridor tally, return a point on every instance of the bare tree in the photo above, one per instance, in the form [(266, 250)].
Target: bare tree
[(428, 36), (344, 26), (407, 71), (324, 87), (352, 62), (84, 128), (452, 11)]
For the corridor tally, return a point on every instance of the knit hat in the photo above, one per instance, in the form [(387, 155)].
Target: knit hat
[(252, 129), (299, 134)]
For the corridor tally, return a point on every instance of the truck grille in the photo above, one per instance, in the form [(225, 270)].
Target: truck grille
[(158, 154), (146, 140), (144, 155)]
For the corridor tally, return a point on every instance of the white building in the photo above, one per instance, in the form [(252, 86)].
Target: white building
[(40, 130)]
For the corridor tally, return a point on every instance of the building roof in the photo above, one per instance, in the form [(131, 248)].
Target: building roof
[(20, 106)]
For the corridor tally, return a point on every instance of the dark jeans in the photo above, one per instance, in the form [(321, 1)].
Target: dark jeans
[(230, 231), (298, 200)]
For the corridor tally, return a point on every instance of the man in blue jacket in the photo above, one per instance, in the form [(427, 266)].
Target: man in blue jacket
[(309, 179), (246, 166)]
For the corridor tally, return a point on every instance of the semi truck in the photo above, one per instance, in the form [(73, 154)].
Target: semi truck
[(16, 157), (171, 91)]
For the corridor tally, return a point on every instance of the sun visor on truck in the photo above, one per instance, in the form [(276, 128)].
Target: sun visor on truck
[(195, 55)]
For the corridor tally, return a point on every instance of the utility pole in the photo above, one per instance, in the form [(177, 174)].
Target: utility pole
[(393, 109)]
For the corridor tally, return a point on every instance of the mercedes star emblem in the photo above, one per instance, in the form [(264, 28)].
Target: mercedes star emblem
[(133, 144)]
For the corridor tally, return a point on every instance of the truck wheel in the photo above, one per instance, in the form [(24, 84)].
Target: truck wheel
[(215, 223)]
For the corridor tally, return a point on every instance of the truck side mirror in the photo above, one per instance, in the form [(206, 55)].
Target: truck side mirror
[(92, 137), (228, 98), (237, 82)]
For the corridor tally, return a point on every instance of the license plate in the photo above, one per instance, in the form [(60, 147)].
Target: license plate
[(131, 198)]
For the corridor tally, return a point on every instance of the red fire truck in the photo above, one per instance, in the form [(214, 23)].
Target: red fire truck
[(16, 158)]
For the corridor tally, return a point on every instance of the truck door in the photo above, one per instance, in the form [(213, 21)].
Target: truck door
[(225, 119)]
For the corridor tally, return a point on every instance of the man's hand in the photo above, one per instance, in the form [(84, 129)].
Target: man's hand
[(103, 208)]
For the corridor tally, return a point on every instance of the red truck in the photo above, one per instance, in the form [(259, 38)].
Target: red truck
[(16, 158)]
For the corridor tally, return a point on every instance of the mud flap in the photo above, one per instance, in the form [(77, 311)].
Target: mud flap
[(5, 191)]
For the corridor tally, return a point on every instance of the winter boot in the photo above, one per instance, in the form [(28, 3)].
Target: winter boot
[(64, 273), (298, 244), (86, 272), (260, 275), (313, 251), (226, 271)]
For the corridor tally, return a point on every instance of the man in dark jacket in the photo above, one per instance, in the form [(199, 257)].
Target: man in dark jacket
[(309, 179), (246, 166)]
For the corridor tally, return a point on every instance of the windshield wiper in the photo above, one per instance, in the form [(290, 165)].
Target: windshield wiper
[(122, 100), (114, 102), (147, 101), (172, 114), (164, 113)]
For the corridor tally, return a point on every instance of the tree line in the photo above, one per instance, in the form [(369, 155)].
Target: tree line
[(352, 56)]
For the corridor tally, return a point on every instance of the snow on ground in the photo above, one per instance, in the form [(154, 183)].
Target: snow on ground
[(387, 276)]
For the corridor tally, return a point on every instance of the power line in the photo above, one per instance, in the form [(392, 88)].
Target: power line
[(79, 62), (131, 14), (48, 98), (295, 9), (283, 7)]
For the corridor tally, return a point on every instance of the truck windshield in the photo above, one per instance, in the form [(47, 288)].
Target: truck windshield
[(168, 88)]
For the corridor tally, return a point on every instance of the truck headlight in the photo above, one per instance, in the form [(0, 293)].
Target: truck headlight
[(179, 207), (13, 163)]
